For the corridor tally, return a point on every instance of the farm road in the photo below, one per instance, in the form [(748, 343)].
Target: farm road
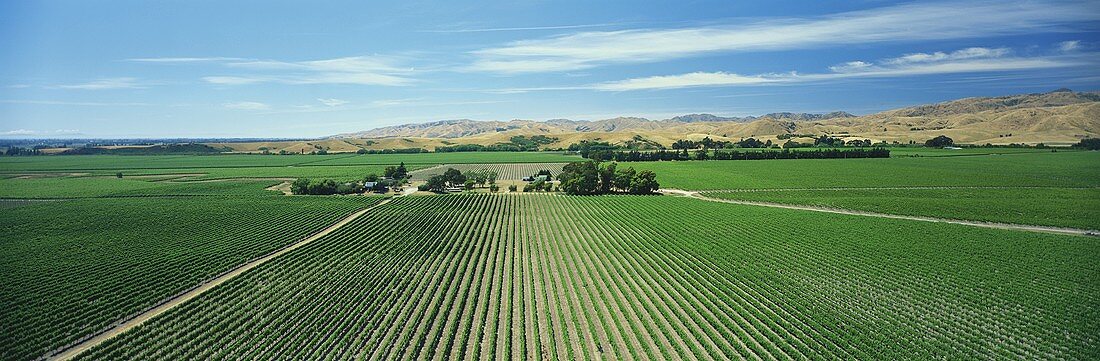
[(1008, 226)]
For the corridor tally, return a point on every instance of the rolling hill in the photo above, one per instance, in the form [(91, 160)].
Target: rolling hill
[(1058, 117)]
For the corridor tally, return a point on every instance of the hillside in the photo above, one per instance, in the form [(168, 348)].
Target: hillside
[(1057, 117)]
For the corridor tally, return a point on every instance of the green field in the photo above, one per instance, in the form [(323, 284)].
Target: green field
[(1062, 207), (103, 163), (1062, 169), (553, 276), (73, 267), (636, 277)]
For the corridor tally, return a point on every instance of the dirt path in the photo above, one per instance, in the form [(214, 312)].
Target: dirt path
[(127, 324), (281, 187), (1009, 226)]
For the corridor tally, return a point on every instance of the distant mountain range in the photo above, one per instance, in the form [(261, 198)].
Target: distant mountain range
[(1058, 117)]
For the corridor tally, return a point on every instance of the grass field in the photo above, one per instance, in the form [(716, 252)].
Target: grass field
[(1060, 207), (72, 267), (541, 276), (1062, 169)]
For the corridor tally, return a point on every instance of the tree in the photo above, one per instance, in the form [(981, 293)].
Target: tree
[(493, 188), (469, 185), (623, 177), (349, 188), (370, 178), (436, 183), (324, 187), (1088, 143), (390, 172), (118, 175), (607, 177), (512, 187), (300, 186), (645, 182), (939, 142), (454, 177), (491, 177), (400, 172), (579, 178)]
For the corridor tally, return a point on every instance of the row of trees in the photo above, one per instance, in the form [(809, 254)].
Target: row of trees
[(396, 172), (455, 178), (324, 187), (393, 175), (1088, 143), (683, 154), (589, 177)]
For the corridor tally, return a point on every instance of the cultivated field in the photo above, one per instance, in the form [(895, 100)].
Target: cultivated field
[(548, 275), (73, 267), (1061, 207), (543, 276), (507, 171)]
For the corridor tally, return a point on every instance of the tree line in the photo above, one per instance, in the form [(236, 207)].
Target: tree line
[(392, 175), (453, 178), (684, 154)]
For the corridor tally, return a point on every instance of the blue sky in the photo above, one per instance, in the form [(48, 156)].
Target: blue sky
[(307, 69)]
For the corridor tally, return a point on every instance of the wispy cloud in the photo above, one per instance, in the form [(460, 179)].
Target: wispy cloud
[(971, 60), (968, 53), (524, 28), (332, 102), (38, 133), (247, 106), (361, 70), (1067, 46), (105, 84), (185, 60), (910, 22), (57, 102)]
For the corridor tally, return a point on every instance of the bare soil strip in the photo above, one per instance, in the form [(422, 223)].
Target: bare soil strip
[(129, 323), (1009, 226)]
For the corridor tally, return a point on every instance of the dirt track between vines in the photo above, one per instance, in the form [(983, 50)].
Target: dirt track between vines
[(1008, 226)]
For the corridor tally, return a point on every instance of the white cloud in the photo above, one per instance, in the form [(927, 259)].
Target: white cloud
[(850, 66), (1067, 46), (184, 60), (696, 79), (29, 132), (232, 80), (332, 102), (526, 28), (247, 106), (968, 53), (57, 102), (105, 83), (963, 61), (910, 22), (361, 70)]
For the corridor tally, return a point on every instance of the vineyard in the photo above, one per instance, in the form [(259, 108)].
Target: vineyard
[(640, 277), (72, 267), (508, 171), (1060, 207), (1061, 169)]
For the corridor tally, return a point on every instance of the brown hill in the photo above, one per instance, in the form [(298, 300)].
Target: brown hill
[(1058, 117)]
